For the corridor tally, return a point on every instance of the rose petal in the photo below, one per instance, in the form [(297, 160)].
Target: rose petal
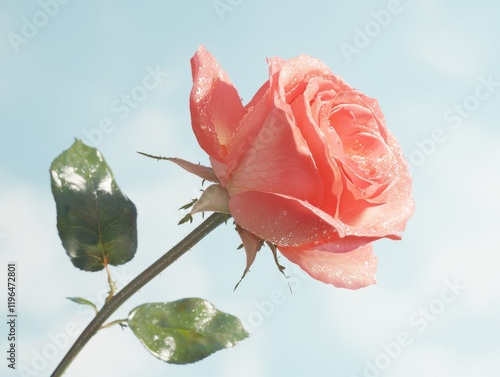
[(286, 221), (215, 105), (278, 161), (373, 105), (283, 220), (249, 128), (320, 150), (390, 216), (275, 64), (366, 110), (296, 72), (353, 270)]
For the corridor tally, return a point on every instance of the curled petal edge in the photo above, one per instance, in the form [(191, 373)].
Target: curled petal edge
[(352, 270)]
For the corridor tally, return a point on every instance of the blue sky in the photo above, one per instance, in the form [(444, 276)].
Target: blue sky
[(66, 69)]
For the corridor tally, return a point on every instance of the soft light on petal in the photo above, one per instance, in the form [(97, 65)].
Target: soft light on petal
[(296, 73), (215, 105), (283, 220), (278, 161), (352, 270), (249, 128)]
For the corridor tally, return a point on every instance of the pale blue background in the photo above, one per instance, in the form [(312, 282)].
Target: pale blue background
[(430, 55)]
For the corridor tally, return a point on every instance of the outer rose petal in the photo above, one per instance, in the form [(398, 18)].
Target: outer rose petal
[(215, 105), (352, 270), (278, 161), (283, 220), (249, 127), (290, 222)]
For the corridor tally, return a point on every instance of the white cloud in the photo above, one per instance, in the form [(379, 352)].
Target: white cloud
[(443, 49), (469, 197), (449, 45), (149, 129), (438, 360)]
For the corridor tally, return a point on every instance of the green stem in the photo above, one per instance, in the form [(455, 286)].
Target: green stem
[(111, 283), (147, 275)]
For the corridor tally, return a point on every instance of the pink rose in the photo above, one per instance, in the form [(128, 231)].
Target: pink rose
[(307, 165)]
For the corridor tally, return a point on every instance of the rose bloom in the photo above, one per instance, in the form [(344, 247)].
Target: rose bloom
[(307, 165)]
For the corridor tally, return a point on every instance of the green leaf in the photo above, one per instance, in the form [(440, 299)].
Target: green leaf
[(184, 331), (83, 301), (96, 222)]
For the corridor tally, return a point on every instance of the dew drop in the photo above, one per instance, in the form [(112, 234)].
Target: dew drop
[(357, 146)]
